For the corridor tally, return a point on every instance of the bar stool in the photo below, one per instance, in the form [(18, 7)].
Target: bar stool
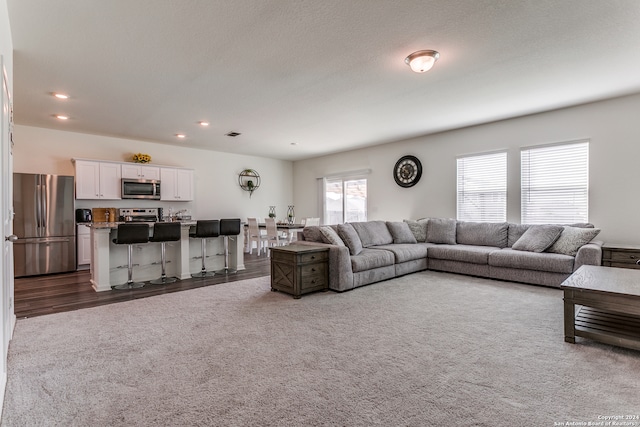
[(228, 228), (205, 229), (131, 234), (164, 232)]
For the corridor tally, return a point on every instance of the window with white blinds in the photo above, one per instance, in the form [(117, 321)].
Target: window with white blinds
[(555, 183), (482, 188)]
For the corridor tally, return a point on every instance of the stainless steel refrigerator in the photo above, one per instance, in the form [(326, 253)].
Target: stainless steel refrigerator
[(44, 223)]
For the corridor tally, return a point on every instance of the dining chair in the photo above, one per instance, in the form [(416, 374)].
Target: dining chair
[(254, 235), (273, 237), (311, 222)]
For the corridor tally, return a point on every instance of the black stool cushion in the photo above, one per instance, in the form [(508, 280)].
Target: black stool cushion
[(207, 228), (230, 227), (132, 233), (165, 232)]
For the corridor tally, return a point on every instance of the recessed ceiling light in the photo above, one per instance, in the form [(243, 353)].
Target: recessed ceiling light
[(60, 95), (62, 117), (181, 135), (203, 123)]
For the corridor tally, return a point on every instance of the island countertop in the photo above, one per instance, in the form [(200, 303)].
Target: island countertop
[(98, 225)]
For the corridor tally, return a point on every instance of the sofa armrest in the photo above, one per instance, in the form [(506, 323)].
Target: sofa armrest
[(589, 254), (340, 272)]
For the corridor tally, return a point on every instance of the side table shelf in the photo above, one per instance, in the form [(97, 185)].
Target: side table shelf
[(622, 256), (298, 269)]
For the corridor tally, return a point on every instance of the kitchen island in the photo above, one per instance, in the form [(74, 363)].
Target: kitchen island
[(109, 261)]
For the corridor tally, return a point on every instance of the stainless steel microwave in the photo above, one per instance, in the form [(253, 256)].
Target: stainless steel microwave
[(140, 189)]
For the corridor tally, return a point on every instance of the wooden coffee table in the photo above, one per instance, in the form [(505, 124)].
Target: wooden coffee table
[(603, 304)]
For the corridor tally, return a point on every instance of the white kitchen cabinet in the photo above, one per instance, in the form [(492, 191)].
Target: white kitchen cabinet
[(176, 184), (97, 180), (137, 171), (84, 245)]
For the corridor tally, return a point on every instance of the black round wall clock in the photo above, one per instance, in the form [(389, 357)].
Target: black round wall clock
[(407, 171)]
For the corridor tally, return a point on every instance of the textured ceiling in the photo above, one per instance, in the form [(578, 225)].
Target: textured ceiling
[(326, 75)]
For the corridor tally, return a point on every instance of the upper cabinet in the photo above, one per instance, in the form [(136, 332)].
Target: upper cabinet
[(97, 180), (103, 180), (176, 184), (136, 171)]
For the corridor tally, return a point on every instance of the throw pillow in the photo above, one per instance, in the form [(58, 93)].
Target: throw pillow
[(372, 233), (312, 234), (572, 239), (331, 236), (350, 238), (418, 228), (441, 230), (538, 238), (401, 232)]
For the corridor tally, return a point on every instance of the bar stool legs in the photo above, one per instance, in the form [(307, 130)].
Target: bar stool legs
[(163, 280), (228, 227), (203, 271), (130, 283)]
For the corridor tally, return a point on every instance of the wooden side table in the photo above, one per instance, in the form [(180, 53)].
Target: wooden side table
[(623, 256), (298, 269)]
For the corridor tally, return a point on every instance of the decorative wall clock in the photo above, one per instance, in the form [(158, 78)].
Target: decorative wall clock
[(407, 171)]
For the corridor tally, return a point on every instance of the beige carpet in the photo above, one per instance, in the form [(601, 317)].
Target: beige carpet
[(428, 349)]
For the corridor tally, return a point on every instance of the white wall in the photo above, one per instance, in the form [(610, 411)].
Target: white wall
[(612, 126), (217, 193)]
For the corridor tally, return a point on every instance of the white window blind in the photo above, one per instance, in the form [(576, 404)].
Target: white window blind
[(555, 184), (482, 188)]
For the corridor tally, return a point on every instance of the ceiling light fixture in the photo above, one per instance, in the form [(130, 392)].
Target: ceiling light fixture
[(180, 135), (61, 117), (203, 123), (422, 60), (60, 95)]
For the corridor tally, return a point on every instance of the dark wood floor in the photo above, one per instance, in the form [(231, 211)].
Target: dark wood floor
[(54, 293)]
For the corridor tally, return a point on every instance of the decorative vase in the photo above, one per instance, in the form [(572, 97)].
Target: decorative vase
[(272, 211), (291, 215)]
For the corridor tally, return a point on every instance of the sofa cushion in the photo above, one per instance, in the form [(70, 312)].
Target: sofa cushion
[(538, 238), (350, 238), (331, 236), (482, 233), (572, 239), (441, 230), (401, 232), (373, 233), (555, 263), (404, 252), (463, 253), (371, 258), (418, 228)]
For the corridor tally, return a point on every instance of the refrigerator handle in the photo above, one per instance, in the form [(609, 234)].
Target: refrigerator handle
[(43, 203), (38, 212)]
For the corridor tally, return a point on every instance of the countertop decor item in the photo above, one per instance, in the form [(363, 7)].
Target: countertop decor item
[(291, 215), (407, 171), (141, 158), (249, 180), (272, 211)]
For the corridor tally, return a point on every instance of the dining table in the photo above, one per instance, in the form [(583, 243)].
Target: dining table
[(290, 229)]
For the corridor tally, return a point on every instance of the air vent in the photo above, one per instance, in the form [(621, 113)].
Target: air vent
[(233, 134)]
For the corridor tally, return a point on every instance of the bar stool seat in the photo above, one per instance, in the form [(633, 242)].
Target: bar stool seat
[(228, 228), (205, 229), (131, 234), (164, 232)]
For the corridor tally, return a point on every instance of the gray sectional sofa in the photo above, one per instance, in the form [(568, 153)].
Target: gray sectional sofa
[(361, 253)]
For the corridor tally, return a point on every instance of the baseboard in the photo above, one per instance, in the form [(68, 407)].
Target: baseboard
[(3, 388)]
